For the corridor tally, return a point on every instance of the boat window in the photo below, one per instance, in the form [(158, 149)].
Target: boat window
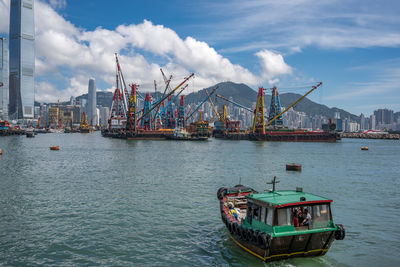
[(256, 213), (270, 213), (320, 216), (249, 214), (284, 217), (263, 211)]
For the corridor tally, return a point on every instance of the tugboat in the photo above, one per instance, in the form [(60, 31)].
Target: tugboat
[(183, 135), (276, 225)]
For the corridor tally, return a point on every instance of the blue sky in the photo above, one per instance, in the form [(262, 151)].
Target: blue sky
[(351, 46)]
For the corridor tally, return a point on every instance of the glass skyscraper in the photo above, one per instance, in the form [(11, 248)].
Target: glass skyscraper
[(91, 107), (3, 79), (22, 59)]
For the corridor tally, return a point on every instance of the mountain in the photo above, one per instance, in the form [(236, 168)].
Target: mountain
[(245, 96), (240, 93)]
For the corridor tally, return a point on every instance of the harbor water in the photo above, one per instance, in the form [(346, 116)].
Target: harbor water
[(111, 202)]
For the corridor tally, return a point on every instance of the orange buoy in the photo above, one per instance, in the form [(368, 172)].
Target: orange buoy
[(364, 148), (293, 167), (55, 148), (1, 152)]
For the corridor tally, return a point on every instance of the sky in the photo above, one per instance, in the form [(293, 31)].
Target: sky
[(352, 46)]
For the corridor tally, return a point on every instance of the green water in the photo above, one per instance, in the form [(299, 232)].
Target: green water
[(113, 202)]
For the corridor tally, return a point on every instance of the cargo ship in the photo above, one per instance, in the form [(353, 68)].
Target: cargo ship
[(278, 225)]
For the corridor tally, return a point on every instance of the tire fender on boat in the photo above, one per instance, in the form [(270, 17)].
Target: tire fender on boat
[(242, 232), (230, 227), (221, 192), (249, 234), (254, 237), (235, 228), (263, 240), (341, 233)]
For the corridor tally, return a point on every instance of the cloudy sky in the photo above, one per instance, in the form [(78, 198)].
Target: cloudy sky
[(351, 46)]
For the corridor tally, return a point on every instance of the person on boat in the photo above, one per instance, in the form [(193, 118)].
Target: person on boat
[(307, 218), (233, 212), (296, 218)]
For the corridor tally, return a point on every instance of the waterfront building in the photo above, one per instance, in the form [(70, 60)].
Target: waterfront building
[(91, 107), (372, 125), (3, 79), (22, 59), (37, 111), (43, 115), (363, 122), (104, 115), (384, 116), (53, 116)]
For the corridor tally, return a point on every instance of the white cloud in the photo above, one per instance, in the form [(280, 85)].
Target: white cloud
[(63, 48), (60, 45)]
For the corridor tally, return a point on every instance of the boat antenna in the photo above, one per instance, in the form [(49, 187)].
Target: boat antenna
[(273, 182)]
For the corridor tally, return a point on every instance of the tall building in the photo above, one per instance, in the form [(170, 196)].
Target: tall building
[(91, 110), (3, 79), (22, 59), (384, 116), (372, 122)]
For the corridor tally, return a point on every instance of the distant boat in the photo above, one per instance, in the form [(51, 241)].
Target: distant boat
[(183, 135), (375, 132), (364, 148)]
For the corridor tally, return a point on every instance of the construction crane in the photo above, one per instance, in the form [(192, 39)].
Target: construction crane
[(205, 99), (164, 97), (167, 85), (170, 102), (294, 103), (120, 77), (275, 108), (84, 121), (221, 119)]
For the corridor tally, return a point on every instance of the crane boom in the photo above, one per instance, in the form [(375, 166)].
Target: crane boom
[(297, 101), (233, 102), (215, 111), (208, 96)]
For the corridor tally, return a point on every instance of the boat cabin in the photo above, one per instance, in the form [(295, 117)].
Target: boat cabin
[(287, 212)]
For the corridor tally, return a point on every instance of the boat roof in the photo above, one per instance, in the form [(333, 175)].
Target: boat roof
[(284, 198)]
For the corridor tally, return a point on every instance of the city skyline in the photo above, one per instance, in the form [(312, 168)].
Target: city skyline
[(353, 50)]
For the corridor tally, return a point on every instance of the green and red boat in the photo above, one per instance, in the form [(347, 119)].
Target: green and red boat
[(277, 225)]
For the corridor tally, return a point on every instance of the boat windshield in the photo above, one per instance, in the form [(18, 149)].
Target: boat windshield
[(262, 214), (305, 217)]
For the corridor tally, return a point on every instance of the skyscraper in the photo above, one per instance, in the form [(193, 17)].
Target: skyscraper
[(22, 59), (3, 79), (91, 107)]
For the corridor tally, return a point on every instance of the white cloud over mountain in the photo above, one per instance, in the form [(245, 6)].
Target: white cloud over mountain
[(64, 48)]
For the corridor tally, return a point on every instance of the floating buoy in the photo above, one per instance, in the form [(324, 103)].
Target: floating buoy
[(55, 148), (1, 152), (293, 167), (364, 148)]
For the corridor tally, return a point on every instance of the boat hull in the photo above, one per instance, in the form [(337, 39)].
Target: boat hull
[(178, 138), (282, 136)]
